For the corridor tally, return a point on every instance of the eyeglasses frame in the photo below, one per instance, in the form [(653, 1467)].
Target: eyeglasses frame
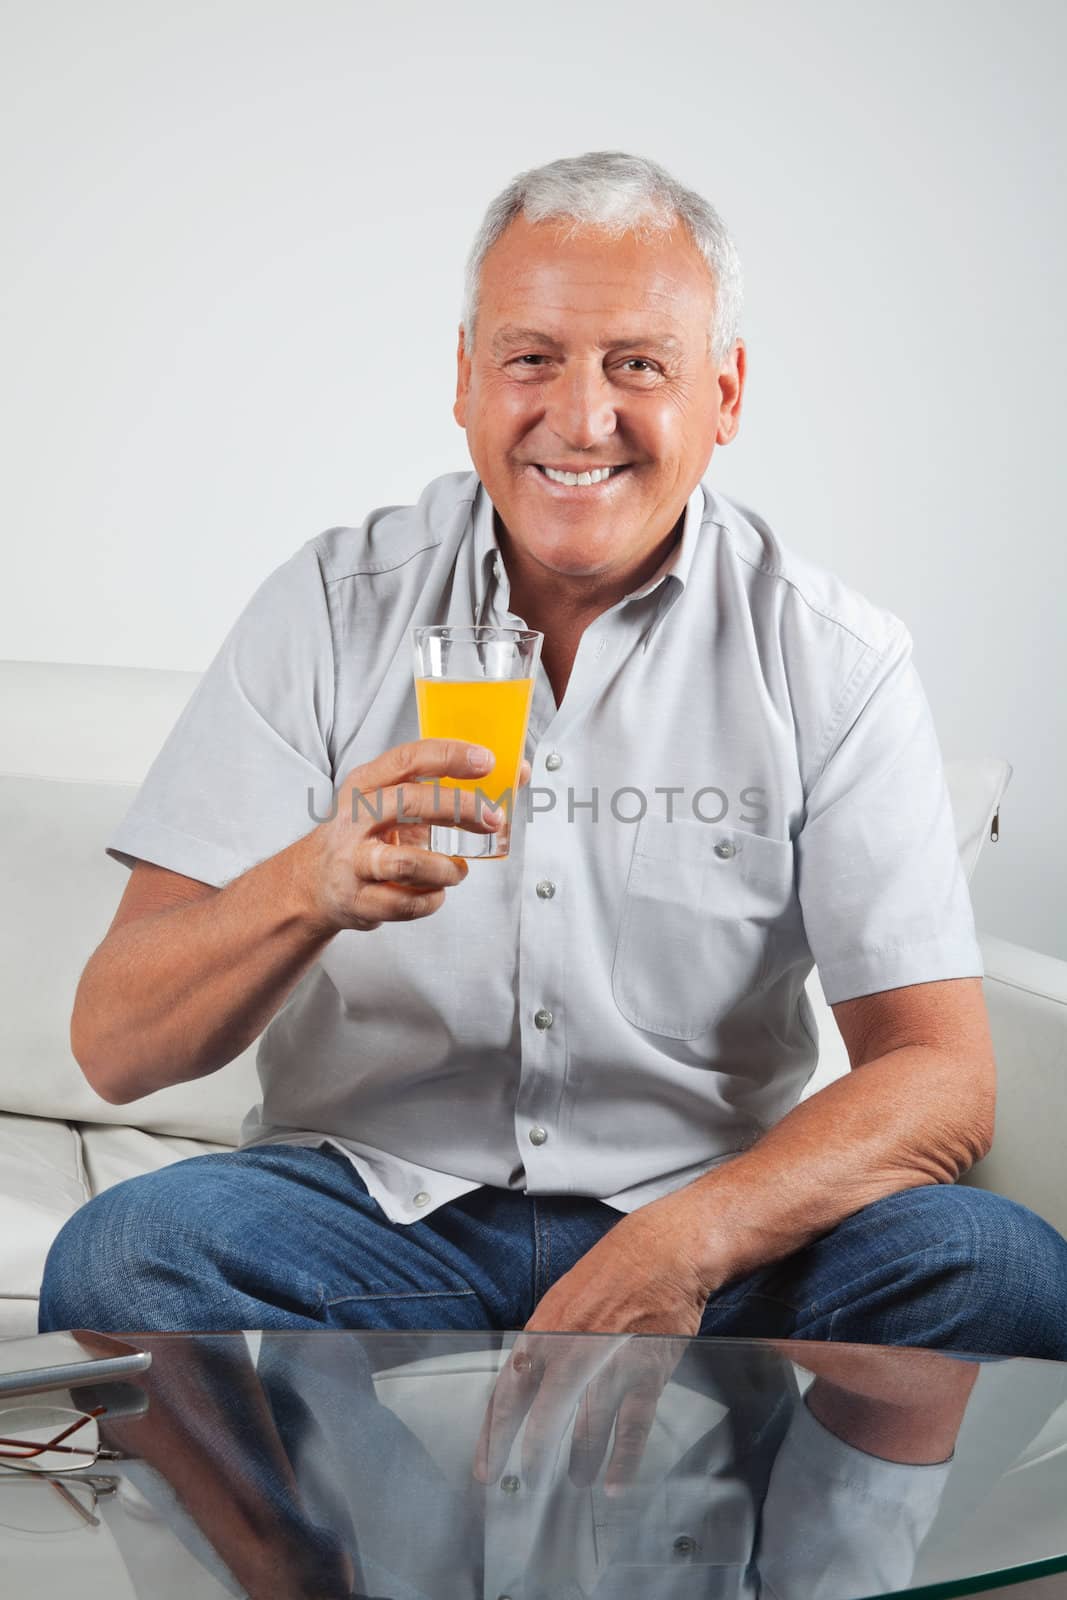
[(22, 1453), (100, 1484)]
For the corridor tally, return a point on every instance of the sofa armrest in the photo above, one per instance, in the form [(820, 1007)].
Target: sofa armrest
[(1026, 997)]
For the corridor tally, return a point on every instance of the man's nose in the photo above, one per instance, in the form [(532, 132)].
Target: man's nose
[(581, 407)]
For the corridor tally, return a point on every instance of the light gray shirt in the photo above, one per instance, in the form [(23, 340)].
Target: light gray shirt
[(743, 778)]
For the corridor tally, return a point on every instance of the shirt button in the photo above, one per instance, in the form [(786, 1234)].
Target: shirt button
[(553, 762), (538, 1135), (545, 889), (725, 850), (509, 1483), (543, 1019), (421, 1199)]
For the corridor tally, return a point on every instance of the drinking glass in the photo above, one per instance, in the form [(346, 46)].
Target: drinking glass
[(476, 684)]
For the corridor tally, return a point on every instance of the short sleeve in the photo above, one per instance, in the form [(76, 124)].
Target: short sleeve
[(246, 769), (881, 885)]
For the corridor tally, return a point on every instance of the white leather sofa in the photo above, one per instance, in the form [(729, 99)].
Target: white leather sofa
[(75, 742)]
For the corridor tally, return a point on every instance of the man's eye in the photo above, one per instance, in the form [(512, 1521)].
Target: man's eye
[(640, 362)]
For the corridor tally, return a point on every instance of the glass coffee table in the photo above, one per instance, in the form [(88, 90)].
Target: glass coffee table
[(456, 1466)]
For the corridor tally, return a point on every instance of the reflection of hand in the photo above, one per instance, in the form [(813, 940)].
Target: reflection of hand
[(635, 1280), (209, 1432)]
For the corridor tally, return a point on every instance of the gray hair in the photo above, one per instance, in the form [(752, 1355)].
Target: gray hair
[(618, 193)]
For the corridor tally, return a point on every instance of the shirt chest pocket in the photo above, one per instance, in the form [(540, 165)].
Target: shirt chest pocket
[(700, 905)]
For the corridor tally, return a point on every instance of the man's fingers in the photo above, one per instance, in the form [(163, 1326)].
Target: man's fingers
[(413, 805), (633, 1424), (513, 1393), (422, 758), (624, 1397), (592, 1431), (416, 833), (375, 903), (420, 804), (379, 862), (620, 1397), (449, 807), (568, 1375)]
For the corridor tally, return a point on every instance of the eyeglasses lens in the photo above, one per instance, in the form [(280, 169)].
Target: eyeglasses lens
[(23, 1428)]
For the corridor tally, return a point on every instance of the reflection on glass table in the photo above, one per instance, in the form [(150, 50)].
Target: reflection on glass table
[(454, 1466)]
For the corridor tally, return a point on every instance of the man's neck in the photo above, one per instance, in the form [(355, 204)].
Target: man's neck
[(562, 609), (550, 602)]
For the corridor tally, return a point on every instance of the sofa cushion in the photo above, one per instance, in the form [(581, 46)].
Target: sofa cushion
[(111, 1155), (61, 894), (42, 1184), (48, 1169), (64, 719)]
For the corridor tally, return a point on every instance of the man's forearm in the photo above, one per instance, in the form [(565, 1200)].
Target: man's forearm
[(179, 993), (912, 1117)]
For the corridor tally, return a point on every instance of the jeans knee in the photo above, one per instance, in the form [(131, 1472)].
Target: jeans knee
[(1007, 1266), (103, 1257), (996, 1236), (77, 1265), (181, 1248)]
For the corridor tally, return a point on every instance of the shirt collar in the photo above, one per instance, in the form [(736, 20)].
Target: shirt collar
[(490, 574), (491, 579)]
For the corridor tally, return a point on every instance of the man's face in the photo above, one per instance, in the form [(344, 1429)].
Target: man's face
[(594, 353)]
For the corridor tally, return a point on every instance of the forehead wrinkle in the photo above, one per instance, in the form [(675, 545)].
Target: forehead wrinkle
[(529, 281), (511, 335)]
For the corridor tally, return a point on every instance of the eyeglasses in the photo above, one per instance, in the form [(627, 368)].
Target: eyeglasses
[(35, 1438), (50, 1448), (30, 1502)]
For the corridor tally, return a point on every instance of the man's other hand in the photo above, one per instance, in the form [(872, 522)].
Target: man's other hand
[(636, 1279)]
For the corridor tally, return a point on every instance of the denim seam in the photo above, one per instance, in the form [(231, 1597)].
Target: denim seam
[(819, 1309), (928, 1249), (548, 1252), (735, 1305), (536, 1286), (403, 1294)]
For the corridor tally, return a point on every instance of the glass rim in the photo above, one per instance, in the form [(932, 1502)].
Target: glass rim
[(472, 631)]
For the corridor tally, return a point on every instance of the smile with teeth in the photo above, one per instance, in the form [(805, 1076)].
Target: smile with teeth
[(575, 479)]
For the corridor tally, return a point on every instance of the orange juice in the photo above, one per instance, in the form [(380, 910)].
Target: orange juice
[(489, 711)]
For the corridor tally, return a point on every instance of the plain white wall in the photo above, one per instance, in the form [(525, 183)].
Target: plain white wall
[(236, 234)]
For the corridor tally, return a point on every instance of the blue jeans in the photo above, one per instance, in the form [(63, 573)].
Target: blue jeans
[(281, 1236)]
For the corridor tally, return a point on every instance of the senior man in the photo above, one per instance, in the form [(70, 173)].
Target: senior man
[(560, 1091)]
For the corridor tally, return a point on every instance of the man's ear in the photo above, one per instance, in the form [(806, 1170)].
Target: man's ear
[(731, 391), (463, 380)]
